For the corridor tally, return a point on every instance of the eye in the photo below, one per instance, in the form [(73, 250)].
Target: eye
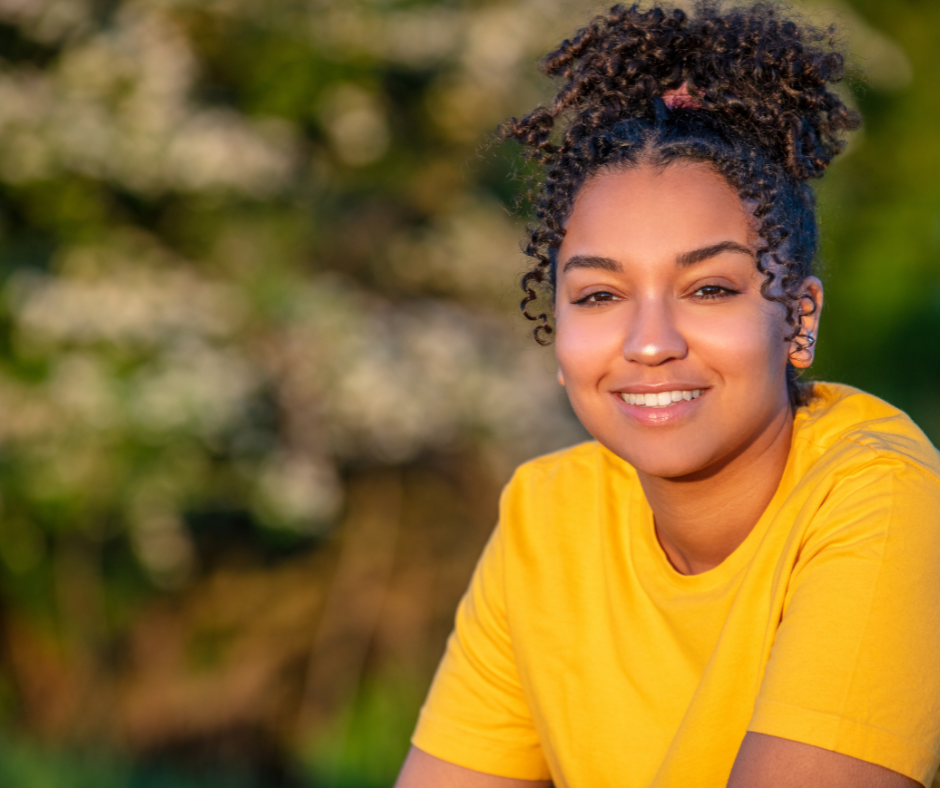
[(713, 292), (596, 298)]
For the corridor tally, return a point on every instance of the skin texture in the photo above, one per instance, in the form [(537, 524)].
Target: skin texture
[(657, 290), (770, 762)]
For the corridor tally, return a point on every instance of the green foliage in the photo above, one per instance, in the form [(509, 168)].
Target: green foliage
[(28, 766), (882, 245), (369, 740)]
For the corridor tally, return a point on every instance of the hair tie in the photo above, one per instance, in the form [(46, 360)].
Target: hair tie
[(680, 97)]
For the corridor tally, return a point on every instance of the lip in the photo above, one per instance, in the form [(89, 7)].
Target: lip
[(657, 417)]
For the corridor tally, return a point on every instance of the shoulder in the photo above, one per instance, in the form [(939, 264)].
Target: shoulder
[(869, 473), (587, 457), (578, 472), (844, 428), (559, 503)]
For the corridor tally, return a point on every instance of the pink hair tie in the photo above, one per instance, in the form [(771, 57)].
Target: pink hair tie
[(680, 97)]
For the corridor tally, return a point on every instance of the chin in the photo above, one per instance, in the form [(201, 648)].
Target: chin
[(653, 462), (659, 459), (668, 468)]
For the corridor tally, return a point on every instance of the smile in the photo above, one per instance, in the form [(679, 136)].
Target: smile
[(662, 399)]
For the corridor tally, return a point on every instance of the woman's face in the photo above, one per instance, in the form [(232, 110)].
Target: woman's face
[(671, 356)]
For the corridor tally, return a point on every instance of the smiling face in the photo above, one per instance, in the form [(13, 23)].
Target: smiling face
[(671, 356)]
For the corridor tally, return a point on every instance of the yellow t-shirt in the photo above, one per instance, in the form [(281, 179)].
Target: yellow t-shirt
[(581, 655)]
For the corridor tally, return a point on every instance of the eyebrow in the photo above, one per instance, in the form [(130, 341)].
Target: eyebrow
[(683, 260), (589, 261), (696, 256)]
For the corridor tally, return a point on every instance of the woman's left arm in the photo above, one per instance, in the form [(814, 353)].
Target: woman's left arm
[(771, 762), (851, 692)]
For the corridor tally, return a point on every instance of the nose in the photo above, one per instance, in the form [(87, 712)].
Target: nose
[(653, 337)]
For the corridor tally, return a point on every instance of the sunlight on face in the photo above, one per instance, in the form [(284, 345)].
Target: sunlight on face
[(671, 356)]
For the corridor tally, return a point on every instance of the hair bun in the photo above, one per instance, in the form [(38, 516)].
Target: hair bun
[(758, 75)]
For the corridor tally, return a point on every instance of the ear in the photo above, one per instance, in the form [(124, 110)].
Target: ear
[(809, 306), (561, 377)]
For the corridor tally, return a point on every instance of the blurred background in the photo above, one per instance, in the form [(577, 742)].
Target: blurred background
[(261, 370)]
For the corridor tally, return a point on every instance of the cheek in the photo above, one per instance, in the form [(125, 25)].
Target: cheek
[(744, 343), (585, 343)]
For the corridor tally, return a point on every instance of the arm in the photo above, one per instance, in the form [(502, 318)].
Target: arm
[(425, 771), (771, 762), (852, 669)]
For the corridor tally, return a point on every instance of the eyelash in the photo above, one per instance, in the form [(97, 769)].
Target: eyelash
[(723, 292), (587, 300), (595, 299)]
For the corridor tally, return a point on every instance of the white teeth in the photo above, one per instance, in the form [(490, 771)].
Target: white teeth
[(661, 400)]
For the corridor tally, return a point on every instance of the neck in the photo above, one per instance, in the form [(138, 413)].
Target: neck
[(702, 518)]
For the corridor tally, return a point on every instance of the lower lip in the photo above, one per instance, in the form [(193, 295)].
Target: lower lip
[(655, 417)]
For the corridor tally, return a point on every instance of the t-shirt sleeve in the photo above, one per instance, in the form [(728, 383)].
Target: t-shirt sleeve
[(855, 666), (476, 715)]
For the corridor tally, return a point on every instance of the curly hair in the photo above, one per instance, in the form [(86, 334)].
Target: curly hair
[(761, 114)]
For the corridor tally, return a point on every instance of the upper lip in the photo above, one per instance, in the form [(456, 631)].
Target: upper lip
[(656, 388)]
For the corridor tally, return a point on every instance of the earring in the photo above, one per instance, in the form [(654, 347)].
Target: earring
[(808, 335), (802, 355)]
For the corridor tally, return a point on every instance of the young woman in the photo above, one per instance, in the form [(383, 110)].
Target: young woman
[(737, 582)]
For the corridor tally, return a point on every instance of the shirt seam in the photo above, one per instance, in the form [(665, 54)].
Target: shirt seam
[(842, 719), (434, 728)]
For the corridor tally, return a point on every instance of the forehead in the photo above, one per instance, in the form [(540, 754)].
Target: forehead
[(648, 212)]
